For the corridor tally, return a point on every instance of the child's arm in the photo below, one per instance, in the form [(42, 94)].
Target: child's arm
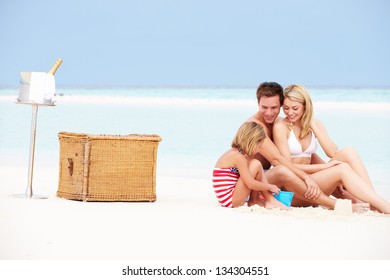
[(249, 181)]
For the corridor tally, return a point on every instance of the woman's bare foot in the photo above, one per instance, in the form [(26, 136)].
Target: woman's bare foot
[(346, 207), (360, 207)]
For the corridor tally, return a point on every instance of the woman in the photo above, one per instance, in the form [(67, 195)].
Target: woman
[(296, 137)]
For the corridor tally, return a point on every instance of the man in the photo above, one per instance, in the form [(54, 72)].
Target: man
[(284, 173)]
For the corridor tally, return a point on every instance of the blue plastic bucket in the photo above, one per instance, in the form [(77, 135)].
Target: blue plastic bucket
[(285, 197)]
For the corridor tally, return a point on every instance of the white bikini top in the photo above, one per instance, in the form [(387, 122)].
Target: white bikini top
[(296, 148)]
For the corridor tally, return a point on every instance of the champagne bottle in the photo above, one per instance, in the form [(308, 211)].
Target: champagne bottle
[(55, 67)]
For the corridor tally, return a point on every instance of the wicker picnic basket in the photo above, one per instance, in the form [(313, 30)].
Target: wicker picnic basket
[(107, 167)]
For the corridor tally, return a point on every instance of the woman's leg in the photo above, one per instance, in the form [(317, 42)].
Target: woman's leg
[(284, 178), (350, 156), (328, 179)]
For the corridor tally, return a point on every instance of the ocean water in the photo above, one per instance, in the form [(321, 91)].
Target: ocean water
[(196, 124)]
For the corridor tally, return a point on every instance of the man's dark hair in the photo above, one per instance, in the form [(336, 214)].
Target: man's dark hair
[(270, 89)]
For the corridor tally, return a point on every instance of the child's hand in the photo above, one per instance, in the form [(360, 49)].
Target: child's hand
[(274, 189)]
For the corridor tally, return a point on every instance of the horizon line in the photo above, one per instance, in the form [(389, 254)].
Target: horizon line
[(205, 86)]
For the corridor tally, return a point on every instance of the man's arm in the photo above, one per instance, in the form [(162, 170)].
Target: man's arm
[(271, 153)]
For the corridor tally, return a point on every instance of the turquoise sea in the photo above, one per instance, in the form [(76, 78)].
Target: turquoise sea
[(196, 124)]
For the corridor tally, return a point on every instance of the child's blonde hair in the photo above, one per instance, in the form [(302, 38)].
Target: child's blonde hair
[(300, 94), (248, 137)]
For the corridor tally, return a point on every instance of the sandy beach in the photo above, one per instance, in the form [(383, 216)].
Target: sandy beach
[(184, 223), (184, 228)]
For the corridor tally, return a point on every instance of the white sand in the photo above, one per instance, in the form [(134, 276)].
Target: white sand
[(184, 223)]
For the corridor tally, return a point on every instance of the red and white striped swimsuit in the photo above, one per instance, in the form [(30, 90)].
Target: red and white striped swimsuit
[(224, 182)]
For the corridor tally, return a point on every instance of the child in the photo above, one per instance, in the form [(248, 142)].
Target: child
[(236, 175)]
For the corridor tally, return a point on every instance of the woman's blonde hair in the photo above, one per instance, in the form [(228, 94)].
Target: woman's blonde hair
[(248, 137), (300, 94)]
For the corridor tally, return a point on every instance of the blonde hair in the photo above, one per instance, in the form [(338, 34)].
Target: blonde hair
[(248, 137), (300, 94)]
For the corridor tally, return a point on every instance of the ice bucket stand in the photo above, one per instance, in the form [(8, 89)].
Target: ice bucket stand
[(29, 190)]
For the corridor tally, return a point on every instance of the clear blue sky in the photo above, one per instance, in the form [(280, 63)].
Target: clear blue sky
[(197, 42)]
